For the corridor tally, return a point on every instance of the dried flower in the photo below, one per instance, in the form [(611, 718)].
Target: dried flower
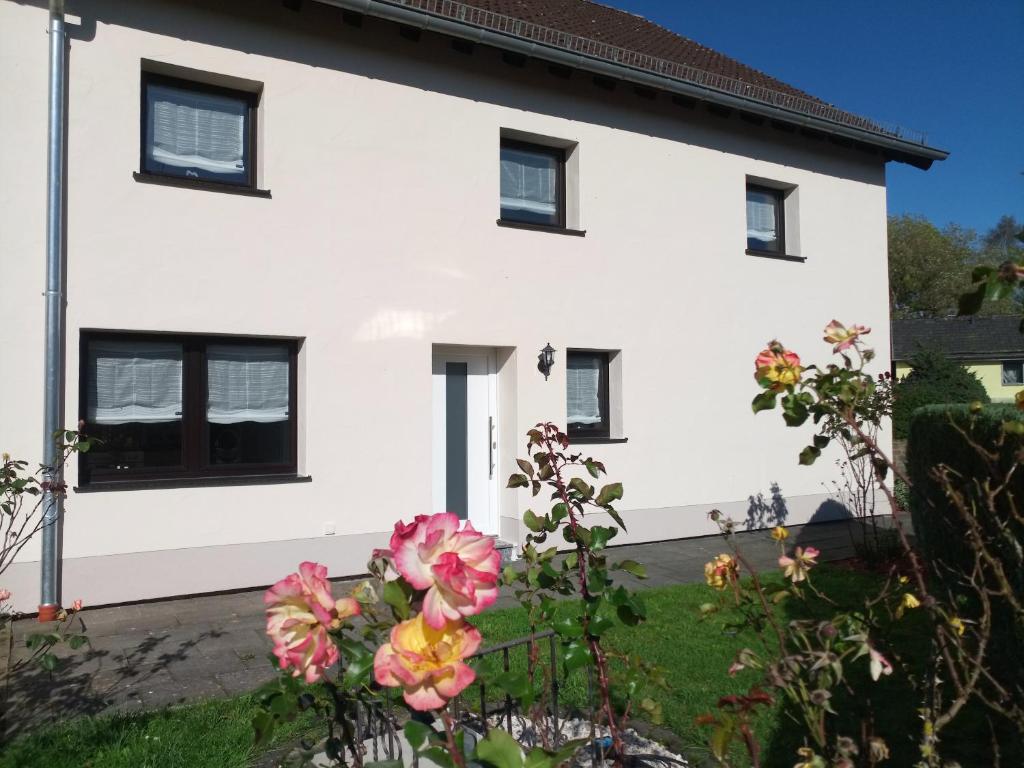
[(797, 567), (721, 571)]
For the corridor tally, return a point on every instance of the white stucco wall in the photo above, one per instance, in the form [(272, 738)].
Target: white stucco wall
[(379, 241)]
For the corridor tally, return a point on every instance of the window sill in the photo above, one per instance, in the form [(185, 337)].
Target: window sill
[(209, 186), (581, 440), (772, 255), (103, 486), (542, 228)]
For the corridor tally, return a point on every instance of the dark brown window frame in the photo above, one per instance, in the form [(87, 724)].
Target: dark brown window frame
[(1003, 365), (780, 219), (194, 428), (559, 155), (603, 430), (251, 98)]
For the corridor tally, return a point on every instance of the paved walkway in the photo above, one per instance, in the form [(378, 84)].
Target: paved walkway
[(159, 653)]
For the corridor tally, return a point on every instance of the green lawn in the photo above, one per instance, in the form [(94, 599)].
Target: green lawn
[(210, 734), (694, 653)]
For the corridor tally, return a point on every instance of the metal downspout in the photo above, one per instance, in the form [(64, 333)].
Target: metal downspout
[(54, 351)]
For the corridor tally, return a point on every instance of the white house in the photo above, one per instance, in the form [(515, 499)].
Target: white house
[(312, 250)]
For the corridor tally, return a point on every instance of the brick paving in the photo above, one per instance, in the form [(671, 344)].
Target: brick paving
[(154, 654)]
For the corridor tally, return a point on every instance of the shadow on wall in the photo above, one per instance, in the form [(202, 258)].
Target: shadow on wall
[(767, 512)]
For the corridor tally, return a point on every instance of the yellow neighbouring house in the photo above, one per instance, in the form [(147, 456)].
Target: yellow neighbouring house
[(991, 347)]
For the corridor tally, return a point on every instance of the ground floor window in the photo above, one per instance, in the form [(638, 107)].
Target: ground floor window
[(587, 393), (163, 406), (1013, 373)]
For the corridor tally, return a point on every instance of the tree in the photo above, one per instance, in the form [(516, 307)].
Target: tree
[(927, 266)]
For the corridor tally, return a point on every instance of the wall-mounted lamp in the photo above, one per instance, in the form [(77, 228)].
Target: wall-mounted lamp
[(545, 360)]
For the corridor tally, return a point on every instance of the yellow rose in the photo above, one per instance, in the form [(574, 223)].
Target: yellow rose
[(958, 625), (779, 533)]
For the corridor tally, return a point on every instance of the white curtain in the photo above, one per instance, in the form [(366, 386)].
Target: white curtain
[(188, 129), (761, 215), (528, 182), (582, 402), (246, 383), (133, 382)]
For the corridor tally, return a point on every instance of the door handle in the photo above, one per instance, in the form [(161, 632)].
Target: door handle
[(490, 447)]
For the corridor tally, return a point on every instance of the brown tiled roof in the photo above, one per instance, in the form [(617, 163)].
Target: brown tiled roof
[(635, 33)]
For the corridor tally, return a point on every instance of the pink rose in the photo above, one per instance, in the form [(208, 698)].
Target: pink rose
[(776, 368), (842, 337), (5, 595), (300, 611), (798, 566), (77, 605), (459, 569), (427, 663)]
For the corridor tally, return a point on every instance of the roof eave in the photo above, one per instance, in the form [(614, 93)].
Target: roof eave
[(893, 148)]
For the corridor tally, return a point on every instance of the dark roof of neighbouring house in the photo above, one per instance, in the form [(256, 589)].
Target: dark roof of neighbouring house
[(631, 32), (594, 36), (961, 338)]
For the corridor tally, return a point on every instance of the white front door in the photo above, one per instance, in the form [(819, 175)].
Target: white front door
[(465, 459)]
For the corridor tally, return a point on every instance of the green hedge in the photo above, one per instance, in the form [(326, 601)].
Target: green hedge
[(933, 379), (938, 528)]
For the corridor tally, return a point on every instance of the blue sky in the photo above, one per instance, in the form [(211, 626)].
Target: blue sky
[(954, 69)]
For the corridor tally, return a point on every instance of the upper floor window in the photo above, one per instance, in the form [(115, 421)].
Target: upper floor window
[(1013, 373), (187, 406), (765, 219), (532, 184), (197, 131), (587, 394)]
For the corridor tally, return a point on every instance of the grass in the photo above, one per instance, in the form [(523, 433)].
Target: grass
[(209, 734), (695, 655)]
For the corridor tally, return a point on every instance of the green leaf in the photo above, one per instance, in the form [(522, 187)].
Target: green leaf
[(568, 626), (518, 481), (575, 655), (48, 662), (499, 749), (559, 512), (599, 625), (970, 303), (263, 727), (820, 442), (396, 597), (592, 469), (579, 485), (77, 641), (609, 493), (633, 567), (531, 521), (615, 516), (357, 673), (440, 756), (809, 455), (600, 536), (541, 758), (794, 410), (417, 733), (526, 466), (763, 402)]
